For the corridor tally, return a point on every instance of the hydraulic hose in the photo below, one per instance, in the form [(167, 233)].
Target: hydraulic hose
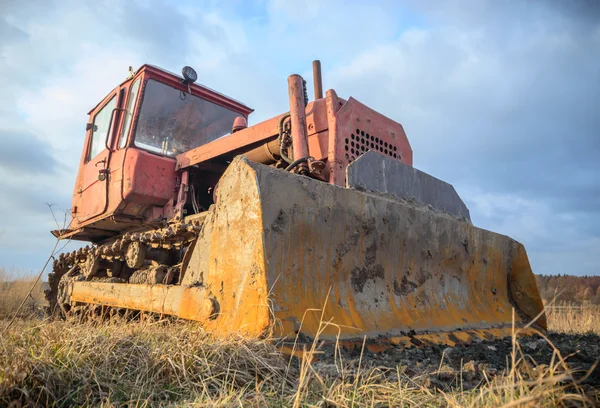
[(282, 145), (295, 163)]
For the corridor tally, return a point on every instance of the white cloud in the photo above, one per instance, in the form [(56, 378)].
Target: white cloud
[(57, 111), (499, 98), (522, 219), (552, 238)]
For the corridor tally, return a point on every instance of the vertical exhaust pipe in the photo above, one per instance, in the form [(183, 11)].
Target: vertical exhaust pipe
[(298, 122), (317, 79)]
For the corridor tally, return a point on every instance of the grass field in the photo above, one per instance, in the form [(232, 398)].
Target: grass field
[(158, 363), (566, 318), (14, 288)]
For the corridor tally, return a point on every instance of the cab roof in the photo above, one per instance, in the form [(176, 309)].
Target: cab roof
[(173, 79)]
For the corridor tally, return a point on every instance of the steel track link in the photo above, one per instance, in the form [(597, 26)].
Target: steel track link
[(175, 236)]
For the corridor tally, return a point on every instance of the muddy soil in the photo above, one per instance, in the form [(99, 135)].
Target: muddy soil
[(443, 367)]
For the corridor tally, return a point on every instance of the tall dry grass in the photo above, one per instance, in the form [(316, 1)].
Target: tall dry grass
[(14, 288), (149, 363), (568, 318), (158, 363)]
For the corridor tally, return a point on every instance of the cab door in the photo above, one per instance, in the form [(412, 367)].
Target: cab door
[(91, 194)]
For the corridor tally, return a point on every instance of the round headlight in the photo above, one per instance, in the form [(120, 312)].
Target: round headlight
[(189, 75)]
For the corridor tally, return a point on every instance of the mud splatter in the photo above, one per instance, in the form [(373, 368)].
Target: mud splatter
[(279, 224), (343, 248), (371, 254), (405, 287), (368, 226), (465, 244), (360, 276)]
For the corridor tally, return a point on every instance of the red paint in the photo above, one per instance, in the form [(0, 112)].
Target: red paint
[(298, 120), (329, 123), (134, 182), (148, 178), (137, 186), (355, 128), (239, 123)]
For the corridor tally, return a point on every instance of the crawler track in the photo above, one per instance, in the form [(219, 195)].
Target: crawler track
[(112, 261)]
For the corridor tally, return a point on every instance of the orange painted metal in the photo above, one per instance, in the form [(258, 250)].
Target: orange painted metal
[(358, 129), (90, 198), (239, 123), (229, 259), (147, 178), (298, 120), (139, 187), (135, 181), (342, 129), (255, 136), (282, 255), (228, 145), (192, 303), (317, 79), (313, 258)]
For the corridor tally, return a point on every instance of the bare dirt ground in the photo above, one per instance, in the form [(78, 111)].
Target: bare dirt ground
[(174, 363), (167, 363), (470, 365)]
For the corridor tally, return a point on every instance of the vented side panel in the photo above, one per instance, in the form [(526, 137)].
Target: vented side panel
[(361, 142), (358, 129)]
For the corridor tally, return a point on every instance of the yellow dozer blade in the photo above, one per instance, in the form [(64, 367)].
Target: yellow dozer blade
[(287, 255), (294, 254)]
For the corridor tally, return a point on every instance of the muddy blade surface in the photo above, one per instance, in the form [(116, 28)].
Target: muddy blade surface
[(289, 253)]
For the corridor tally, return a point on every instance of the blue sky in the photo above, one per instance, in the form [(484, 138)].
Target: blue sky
[(498, 98)]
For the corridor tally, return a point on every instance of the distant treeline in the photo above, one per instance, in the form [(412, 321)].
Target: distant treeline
[(567, 288)]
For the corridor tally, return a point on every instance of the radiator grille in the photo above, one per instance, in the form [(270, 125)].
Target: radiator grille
[(360, 142)]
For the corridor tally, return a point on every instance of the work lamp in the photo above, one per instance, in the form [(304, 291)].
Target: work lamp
[(189, 75)]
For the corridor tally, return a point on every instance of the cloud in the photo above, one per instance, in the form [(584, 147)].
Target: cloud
[(505, 109), (555, 241), (498, 98), (24, 152)]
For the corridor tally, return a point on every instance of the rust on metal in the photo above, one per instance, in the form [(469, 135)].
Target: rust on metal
[(315, 258), (135, 255), (267, 252), (192, 303), (298, 120), (375, 265), (379, 345)]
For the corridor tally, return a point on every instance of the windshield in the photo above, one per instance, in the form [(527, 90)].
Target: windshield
[(172, 122)]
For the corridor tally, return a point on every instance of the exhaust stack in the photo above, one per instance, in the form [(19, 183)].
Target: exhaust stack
[(317, 79)]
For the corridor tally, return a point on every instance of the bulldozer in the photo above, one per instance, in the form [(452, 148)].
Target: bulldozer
[(311, 224)]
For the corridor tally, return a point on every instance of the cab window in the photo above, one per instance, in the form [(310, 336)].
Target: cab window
[(171, 122), (133, 93), (100, 128)]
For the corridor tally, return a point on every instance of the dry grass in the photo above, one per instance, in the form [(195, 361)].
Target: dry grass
[(14, 287), (149, 363), (566, 318)]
